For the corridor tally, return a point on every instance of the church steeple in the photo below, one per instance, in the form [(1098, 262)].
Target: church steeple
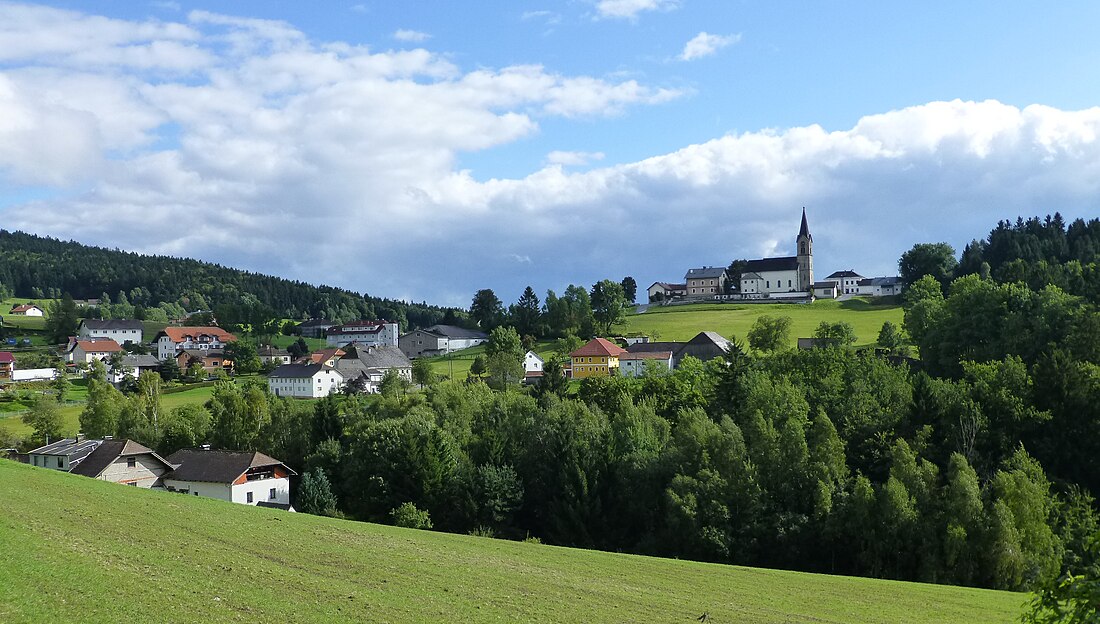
[(805, 246)]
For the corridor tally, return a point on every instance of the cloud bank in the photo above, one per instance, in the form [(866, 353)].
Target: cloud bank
[(243, 142)]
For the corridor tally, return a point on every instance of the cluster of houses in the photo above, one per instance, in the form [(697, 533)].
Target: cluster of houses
[(245, 477), (788, 278)]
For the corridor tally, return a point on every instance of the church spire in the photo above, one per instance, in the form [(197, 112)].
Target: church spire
[(805, 229)]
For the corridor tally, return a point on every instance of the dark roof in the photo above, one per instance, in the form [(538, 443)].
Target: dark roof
[(317, 323), (111, 324), (76, 450), (864, 282), (452, 331), (788, 263), (105, 454), (298, 371), (848, 273), (360, 327), (885, 281), (668, 286), (217, 466), (140, 361), (655, 347), (805, 229), (705, 346), (705, 273), (360, 358), (274, 505), (270, 351)]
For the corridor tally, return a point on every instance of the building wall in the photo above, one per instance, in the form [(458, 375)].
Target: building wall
[(320, 385), (531, 363), (385, 336), (120, 336), (418, 343), (637, 368), (166, 348), (53, 462), (220, 491), (778, 281), (594, 366), (261, 491), (144, 474), (704, 287)]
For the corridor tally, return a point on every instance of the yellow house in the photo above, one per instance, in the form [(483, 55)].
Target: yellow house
[(598, 358)]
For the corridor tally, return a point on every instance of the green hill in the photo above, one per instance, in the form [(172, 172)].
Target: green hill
[(80, 550), (682, 322)]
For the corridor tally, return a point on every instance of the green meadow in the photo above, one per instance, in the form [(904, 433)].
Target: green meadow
[(76, 549)]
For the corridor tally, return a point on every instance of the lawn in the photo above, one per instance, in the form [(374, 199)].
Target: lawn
[(734, 320), (77, 549), (458, 363)]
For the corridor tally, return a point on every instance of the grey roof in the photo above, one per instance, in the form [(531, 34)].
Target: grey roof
[(112, 324), (804, 230), (787, 263), (824, 284), (655, 347), (217, 466), (105, 454), (668, 286), (705, 346), (453, 331), (359, 359), (751, 275), (298, 371), (317, 323), (75, 450), (270, 351), (864, 282), (840, 274), (705, 273), (140, 361), (885, 281)]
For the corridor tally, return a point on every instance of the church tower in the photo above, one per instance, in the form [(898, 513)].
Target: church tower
[(805, 256)]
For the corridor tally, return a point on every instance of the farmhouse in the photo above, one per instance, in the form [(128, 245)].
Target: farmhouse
[(439, 340), (85, 351), (27, 309), (134, 366), (63, 454), (124, 461), (371, 363), (635, 364), (663, 291), (309, 381), (121, 331), (273, 355), (173, 339), (598, 358), (243, 477), (365, 332)]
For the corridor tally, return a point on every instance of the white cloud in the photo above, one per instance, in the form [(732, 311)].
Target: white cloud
[(629, 9), (568, 159), (411, 35), (705, 44), (548, 18)]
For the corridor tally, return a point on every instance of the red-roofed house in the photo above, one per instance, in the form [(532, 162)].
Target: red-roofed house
[(172, 339), (7, 364), (27, 309), (595, 359), (84, 351)]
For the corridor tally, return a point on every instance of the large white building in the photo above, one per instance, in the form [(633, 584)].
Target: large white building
[(306, 381), (173, 339), (785, 275), (244, 477), (363, 332), (119, 330)]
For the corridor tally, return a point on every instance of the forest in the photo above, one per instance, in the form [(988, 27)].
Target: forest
[(161, 287)]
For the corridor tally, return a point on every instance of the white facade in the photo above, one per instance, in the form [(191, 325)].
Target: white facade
[(30, 311), (199, 339), (34, 374), (140, 471), (320, 384), (532, 363), (274, 490), (380, 333), (86, 351), (121, 336), (634, 364)]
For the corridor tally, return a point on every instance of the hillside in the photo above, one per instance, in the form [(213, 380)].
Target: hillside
[(82, 550)]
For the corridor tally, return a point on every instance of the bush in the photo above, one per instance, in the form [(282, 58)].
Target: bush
[(408, 516)]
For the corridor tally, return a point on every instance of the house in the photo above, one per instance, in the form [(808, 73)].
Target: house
[(825, 290), (704, 346), (371, 363), (663, 291), (439, 340), (598, 358), (634, 364), (309, 381), (315, 328), (269, 354), (364, 332), (85, 351), (783, 275), (806, 344), (124, 461), (327, 357), (7, 364), (173, 339), (706, 282), (211, 361), (532, 366), (244, 477), (27, 309), (63, 454), (880, 286), (121, 331), (847, 282), (134, 366)]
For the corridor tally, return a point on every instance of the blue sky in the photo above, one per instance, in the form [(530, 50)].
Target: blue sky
[(424, 150)]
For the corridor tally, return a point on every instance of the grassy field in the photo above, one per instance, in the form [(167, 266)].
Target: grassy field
[(734, 320), (77, 549), (459, 362)]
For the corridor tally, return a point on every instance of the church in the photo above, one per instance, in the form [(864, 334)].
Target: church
[(791, 275)]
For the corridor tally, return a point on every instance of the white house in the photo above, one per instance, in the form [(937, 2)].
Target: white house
[(119, 330), (269, 354), (663, 291), (634, 364), (244, 477), (364, 332), (304, 380), (124, 461), (27, 309), (825, 290), (63, 454), (847, 282), (532, 363), (173, 339), (85, 351), (880, 286), (134, 366)]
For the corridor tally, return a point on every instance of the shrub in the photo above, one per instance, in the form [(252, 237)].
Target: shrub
[(408, 516)]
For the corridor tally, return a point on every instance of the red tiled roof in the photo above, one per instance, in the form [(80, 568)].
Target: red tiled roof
[(6, 357), (324, 355), (599, 346), (24, 308), (179, 334), (97, 346)]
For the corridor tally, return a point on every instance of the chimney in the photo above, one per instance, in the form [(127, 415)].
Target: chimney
[(108, 437), (79, 436), (205, 447)]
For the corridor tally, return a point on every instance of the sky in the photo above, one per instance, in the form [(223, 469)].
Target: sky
[(423, 150)]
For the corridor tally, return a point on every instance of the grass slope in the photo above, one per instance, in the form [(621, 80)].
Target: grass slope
[(76, 549), (734, 320)]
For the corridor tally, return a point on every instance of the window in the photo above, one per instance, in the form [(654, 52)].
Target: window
[(768, 284), (196, 493), (271, 494), (59, 464), (788, 283), (131, 462), (133, 483), (248, 497)]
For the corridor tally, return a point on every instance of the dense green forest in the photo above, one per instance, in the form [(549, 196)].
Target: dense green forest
[(159, 286)]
